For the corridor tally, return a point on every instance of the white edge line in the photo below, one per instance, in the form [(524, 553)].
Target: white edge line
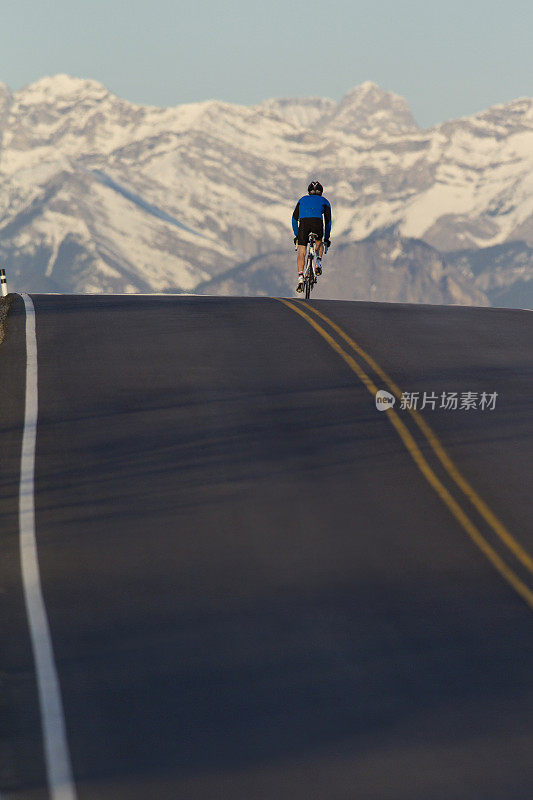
[(57, 758)]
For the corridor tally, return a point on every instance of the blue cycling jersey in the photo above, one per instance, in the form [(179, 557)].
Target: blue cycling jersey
[(315, 206)]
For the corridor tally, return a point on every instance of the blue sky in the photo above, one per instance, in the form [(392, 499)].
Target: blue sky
[(448, 59)]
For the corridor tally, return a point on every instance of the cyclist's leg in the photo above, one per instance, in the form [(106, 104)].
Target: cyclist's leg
[(301, 257), (303, 238), (319, 250), (319, 243), (300, 260)]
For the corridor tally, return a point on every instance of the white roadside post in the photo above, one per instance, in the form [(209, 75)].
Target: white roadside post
[(3, 282)]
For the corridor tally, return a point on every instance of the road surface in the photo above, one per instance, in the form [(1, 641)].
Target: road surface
[(258, 585)]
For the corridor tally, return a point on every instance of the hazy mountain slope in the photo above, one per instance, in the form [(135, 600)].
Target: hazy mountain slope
[(400, 270), (504, 273)]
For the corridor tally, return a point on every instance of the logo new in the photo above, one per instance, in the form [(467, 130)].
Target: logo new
[(384, 400)]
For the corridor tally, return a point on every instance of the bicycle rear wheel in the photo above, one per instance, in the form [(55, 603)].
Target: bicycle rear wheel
[(309, 280)]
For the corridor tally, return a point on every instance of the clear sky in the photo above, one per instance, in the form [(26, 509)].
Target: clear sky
[(447, 58)]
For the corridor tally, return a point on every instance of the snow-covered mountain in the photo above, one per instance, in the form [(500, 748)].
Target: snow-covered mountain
[(98, 194)]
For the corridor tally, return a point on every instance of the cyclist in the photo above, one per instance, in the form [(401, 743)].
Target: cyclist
[(306, 219)]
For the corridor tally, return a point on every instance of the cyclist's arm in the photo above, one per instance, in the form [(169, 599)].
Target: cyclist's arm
[(327, 220), (295, 218)]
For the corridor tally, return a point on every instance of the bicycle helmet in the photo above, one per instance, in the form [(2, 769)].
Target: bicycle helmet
[(315, 188)]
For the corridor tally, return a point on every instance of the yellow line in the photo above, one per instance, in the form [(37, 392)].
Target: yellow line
[(505, 571), (497, 526)]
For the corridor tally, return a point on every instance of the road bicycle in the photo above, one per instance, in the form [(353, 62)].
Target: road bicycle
[(310, 274)]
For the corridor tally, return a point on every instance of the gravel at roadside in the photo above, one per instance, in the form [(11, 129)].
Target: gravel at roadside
[(5, 303)]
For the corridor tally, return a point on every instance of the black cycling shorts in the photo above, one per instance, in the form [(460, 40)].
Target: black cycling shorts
[(309, 225)]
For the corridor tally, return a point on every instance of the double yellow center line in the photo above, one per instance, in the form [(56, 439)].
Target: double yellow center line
[(416, 454)]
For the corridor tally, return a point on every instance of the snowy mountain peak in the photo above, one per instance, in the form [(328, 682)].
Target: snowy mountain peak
[(57, 87), (366, 110), (516, 114), (369, 111), (497, 122), (368, 90), (302, 112)]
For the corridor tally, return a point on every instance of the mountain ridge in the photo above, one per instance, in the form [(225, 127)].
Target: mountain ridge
[(233, 173)]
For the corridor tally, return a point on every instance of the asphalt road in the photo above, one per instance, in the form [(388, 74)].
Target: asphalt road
[(253, 590)]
